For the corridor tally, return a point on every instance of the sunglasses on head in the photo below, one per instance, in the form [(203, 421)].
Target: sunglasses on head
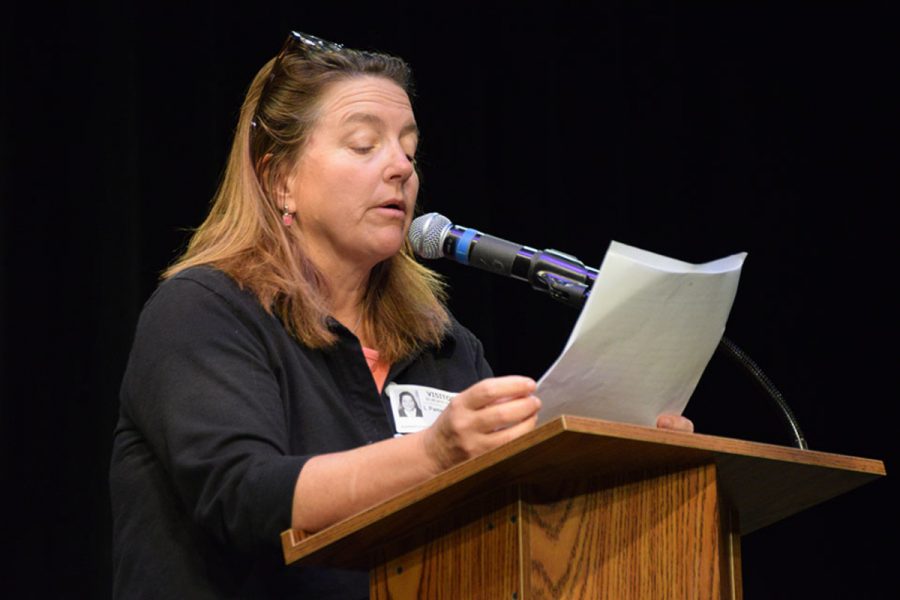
[(301, 44)]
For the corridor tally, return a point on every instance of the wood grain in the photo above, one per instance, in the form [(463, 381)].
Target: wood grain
[(465, 558), (656, 536)]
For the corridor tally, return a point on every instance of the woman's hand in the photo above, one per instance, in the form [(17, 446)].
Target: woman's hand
[(333, 486), (480, 418), (676, 422)]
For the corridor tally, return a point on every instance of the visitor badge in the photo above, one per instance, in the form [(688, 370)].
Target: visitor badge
[(416, 407)]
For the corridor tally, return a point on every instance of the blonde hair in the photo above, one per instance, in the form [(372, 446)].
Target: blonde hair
[(243, 235)]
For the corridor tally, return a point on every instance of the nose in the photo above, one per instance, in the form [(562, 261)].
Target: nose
[(400, 167)]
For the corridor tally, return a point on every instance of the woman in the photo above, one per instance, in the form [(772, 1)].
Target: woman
[(408, 406), (253, 399)]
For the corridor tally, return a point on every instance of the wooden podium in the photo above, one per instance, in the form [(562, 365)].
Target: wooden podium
[(582, 508)]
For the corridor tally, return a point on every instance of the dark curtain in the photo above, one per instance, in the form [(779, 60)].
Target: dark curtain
[(690, 129)]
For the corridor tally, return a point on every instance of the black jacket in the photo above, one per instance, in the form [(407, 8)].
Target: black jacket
[(220, 408)]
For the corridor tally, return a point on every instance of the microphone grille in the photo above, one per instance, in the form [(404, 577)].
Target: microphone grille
[(426, 234)]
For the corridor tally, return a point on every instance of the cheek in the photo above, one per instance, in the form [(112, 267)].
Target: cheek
[(354, 183), (412, 190), (338, 192)]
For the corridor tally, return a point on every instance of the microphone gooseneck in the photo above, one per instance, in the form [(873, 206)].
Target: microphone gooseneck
[(561, 275), (728, 347)]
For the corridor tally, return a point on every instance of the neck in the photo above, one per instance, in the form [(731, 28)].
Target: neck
[(346, 285)]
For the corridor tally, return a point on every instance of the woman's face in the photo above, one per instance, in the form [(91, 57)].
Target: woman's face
[(408, 403), (354, 186)]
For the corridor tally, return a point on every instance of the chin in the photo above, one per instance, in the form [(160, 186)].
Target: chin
[(387, 248)]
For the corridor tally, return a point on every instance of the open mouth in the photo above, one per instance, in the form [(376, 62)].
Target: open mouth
[(393, 206)]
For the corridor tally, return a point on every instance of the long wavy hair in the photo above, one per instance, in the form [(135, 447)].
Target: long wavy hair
[(244, 236)]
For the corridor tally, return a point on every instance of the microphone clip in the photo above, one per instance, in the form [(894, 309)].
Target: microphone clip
[(560, 288), (564, 277)]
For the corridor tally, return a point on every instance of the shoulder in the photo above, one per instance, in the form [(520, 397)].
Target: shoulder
[(455, 364), (198, 321), (460, 340), (201, 280), (201, 286), (459, 333), (200, 298)]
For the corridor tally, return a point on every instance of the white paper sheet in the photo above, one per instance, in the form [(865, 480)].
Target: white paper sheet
[(643, 339)]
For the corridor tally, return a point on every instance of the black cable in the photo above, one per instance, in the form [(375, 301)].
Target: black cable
[(731, 349)]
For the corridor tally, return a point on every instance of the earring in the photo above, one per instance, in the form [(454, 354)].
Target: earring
[(287, 217)]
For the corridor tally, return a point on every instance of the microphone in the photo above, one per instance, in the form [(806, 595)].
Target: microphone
[(561, 275)]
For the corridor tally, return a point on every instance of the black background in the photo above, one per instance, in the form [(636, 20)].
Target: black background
[(690, 129)]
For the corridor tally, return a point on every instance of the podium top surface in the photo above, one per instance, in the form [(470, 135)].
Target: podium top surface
[(763, 482)]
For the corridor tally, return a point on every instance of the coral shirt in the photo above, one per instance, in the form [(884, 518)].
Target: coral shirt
[(378, 367)]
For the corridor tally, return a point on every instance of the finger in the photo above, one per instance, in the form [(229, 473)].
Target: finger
[(674, 422), (492, 389), (505, 414), (508, 434)]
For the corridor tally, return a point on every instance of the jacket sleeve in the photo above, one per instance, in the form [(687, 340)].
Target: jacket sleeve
[(202, 388)]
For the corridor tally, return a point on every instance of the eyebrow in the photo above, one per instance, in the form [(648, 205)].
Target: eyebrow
[(376, 121)]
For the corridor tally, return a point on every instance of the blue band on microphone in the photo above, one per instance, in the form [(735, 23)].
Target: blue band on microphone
[(462, 245)]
